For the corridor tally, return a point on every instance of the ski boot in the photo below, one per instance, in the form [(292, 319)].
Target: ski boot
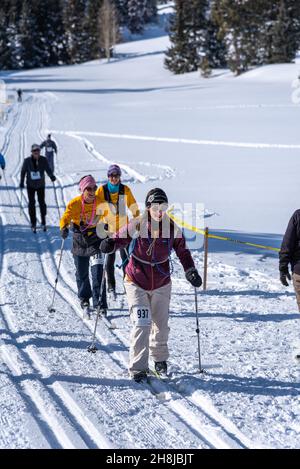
[(33, 229), (161, 368), (112, 293), (140, 376), (85, 305), (102, 311)]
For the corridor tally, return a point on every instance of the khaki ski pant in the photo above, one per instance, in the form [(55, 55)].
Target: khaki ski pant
[(296, 282), (151, 338)]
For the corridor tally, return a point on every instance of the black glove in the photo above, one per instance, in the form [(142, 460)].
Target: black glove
[(107, 245), (64, 233), (21, 185), (284, 275), (53, 178), (193, 277)]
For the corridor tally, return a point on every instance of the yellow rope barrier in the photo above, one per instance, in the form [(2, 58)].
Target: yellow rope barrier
[(183, 224)]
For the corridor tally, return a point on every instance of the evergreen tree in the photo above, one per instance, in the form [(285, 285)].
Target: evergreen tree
[(51, 31), (122, 8), (150, 11), (187, 35), (136, 14), (93, 29), (30, 52), (239, 24), (5, 49), (283, 19), (74, 15), (214, 46)]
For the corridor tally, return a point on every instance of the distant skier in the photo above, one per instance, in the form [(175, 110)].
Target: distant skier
[(81, 214), (2, 163), (118, 198), (20, 95), (34, 168), (50, 149), (151, 239), (290, 255)]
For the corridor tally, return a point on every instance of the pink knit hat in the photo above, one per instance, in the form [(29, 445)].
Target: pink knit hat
[(86, 181)]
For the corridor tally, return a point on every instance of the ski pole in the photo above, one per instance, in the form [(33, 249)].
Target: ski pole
[(50, 308), (92, 348), (21, 206), (201, 370), (54, 188)]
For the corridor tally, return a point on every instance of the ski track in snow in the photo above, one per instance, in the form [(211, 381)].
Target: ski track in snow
[(134, 176), (181, 140), (70, 399), (60, 391)]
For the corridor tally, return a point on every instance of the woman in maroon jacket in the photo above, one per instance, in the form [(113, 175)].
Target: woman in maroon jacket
[(151, 239)]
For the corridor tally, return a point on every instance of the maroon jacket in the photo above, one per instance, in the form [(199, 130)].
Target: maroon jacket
[(147, 276)]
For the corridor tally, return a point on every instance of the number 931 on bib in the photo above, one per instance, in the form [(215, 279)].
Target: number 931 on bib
[(141, 315)]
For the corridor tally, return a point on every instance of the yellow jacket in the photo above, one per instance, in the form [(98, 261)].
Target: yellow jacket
[(74, 214), (110, 216)]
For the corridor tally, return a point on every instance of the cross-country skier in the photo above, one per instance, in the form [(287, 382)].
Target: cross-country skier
[(34, 168), (151, 238), (2, 163), (82, 213), (118, 198), (290, 255), (19, 93), (50, 148)]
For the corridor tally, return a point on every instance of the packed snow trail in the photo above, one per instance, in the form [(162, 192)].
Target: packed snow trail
[(66, 415)]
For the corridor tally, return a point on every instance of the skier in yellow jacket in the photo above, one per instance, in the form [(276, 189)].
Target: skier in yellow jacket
[(118, 199), (83, 213)]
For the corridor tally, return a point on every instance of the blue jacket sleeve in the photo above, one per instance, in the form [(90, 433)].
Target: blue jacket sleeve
[(2, 161)]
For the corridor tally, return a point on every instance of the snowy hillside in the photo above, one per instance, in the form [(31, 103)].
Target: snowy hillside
[(229, 143)]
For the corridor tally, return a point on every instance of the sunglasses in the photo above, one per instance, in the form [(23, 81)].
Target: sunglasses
[(36, 151), (114, 175), (159, 207), (91, 189)]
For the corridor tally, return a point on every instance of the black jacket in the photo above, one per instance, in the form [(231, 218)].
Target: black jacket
[(50, 146), (290, 247), (35, 172), (85, 244)]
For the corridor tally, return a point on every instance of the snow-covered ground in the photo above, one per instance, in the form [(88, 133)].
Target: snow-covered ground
[(230, 143)]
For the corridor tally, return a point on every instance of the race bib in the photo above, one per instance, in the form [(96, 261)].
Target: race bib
[(97, 259), (35, 175), (141, 315)]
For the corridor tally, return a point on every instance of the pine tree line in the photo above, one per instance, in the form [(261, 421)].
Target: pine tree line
[(239, 34), (39, 33)]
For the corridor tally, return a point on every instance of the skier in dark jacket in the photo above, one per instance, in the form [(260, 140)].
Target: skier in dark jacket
[(2, 163), (34, 168), (50, 149), (19, 93), (290, 255)]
